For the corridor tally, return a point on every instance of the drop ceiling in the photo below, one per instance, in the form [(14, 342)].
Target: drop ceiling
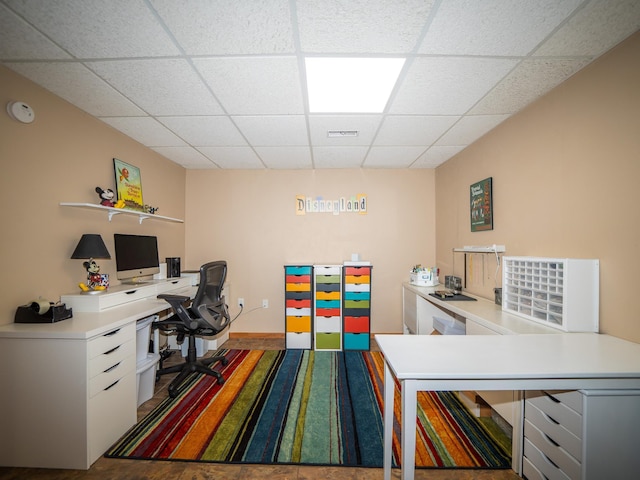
[(221, 84)]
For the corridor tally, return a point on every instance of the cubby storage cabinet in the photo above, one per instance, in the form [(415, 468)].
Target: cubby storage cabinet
[(562, 293), (356, 309), (327, 280), (298, 287)]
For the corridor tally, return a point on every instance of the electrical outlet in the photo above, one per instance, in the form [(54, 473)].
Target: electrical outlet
[(241, 302), (265, 303)]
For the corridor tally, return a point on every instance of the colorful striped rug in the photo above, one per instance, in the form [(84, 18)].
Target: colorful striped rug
[(303, 407)]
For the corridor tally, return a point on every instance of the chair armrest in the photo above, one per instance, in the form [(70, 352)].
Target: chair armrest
[(173, 299)]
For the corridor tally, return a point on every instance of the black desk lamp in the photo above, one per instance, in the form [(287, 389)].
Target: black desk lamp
[(89, 247)]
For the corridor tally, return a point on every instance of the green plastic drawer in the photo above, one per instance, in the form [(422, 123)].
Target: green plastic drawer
[(327, 341)]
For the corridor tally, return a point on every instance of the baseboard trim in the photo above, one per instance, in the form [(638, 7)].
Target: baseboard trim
[(255, 335)]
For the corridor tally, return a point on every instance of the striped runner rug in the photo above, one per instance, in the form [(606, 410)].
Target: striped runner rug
[(304, 407)]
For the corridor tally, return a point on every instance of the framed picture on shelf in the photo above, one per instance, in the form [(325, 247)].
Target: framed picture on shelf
[(482, 205), (128, 185)]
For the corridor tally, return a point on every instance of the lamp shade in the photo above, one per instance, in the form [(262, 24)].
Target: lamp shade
[(91, 246)]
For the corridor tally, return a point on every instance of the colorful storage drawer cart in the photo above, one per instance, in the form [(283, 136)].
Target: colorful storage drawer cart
[(356, 309), (327, 307), (298, 286)]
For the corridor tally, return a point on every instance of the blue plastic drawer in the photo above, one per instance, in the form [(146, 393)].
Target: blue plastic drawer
[(357, 295), (297, 270), (356, 341)]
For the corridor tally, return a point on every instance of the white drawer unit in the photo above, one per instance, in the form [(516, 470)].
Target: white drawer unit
[(562, 293), (327, 307), (572, 434)]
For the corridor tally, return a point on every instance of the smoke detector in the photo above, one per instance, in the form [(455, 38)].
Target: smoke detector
[(342, 133)]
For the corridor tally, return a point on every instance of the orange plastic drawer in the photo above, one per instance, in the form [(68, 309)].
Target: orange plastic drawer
[(357, 270), (298, 324), (298, 278), (357, 278), (293, 303), (298, 287), (356, 324), (327, 295)]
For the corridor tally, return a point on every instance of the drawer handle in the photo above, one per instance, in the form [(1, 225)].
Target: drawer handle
[(112, 367), (174, 282), (551, 419), (112, 385), (110, 334), (109, 352), (551, 397), (551, 440), (131, 292)]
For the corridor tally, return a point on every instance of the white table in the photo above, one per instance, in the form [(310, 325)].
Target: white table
[(487, 362)]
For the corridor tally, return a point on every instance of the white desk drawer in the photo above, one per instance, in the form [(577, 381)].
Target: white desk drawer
[(536, 466), (554, 430), (105, 381), (101, 363), (558, 407), (553, 452), (174, 283), (111, 414), (110, 340)]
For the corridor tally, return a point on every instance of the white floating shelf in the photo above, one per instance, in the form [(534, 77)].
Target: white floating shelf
[(481, 249), (111, 211)]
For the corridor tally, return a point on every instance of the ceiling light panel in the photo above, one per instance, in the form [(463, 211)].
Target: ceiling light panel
[(351, 85)]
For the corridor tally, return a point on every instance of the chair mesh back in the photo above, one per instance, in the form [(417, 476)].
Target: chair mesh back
[(212, 276)]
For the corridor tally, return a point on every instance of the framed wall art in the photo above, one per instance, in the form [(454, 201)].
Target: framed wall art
[(128, 185), (482, 205)]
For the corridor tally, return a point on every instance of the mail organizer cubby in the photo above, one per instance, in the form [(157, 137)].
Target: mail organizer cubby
[(298, 288), (558, 292), (356, 304), (327, 300)]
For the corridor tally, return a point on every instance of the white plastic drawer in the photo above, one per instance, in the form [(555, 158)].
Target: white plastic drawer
[(328, 324), (101, 363), (536, 465), (298, 340), (110, 340), (554, 430), (298, 312), (557, 455), (107, 380), (357, 287), (553, 407), (328, 270)]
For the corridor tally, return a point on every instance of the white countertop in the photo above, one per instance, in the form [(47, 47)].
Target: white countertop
[(484, 312), (459, 357)]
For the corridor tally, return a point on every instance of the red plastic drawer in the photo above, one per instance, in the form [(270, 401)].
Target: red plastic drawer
[(356, 324), (298, 303), (298, 278), (327, 312), (357, 270)]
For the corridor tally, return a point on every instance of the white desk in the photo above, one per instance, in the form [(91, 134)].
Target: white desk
[(569, 361), (69, 388)]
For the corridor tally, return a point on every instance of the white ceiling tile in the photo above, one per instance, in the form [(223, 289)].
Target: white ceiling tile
[(78, 26), (220, 27), (528, 81), (493, 27), (413, 129), (233, 157), (436, 156), (470, 128), (596, 28), (448, 85), (392, 157), (205, 131), (361, 25), (160, 87), (338, 157), (79, 86), (18, 40), (145, 130), (188, 157), (292, 157), (366, 125), (252, 85), (272, 130)]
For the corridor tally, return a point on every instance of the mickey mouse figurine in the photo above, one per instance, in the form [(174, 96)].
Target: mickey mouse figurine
[(106, 196)]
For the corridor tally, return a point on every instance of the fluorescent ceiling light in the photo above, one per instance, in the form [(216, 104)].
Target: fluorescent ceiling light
[(351, 85)]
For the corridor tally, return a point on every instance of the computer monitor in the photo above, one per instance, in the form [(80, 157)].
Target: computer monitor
[(136, 257)]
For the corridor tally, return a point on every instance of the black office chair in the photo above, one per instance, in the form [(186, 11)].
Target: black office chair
[(207, 316)]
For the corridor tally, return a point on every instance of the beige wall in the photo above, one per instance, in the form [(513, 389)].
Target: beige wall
[(565, 183), (61, 157), (248, 218)]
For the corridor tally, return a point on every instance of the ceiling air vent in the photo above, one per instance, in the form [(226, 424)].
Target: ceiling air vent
[(342, 133)]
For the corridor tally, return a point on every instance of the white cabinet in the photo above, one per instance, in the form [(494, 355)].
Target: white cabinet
[(574, 434), (562, 293), (66, 400)]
